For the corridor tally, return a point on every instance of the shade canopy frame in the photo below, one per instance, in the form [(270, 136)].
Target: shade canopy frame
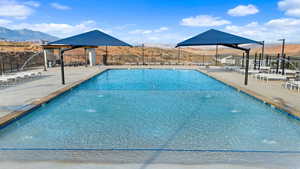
[(92, 39), (216, 37)]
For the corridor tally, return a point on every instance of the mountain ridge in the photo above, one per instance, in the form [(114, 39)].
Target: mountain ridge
[(24, 35)]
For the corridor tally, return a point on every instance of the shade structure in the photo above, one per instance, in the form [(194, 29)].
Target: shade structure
[(92, 38), (216, 37)]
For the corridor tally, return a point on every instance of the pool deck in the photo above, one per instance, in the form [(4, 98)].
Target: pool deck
[(18, 99), (59, 165), (270, 92)]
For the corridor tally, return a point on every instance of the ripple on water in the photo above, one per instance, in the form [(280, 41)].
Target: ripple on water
[(269, 141), (100, 96), (27, 137), (91, 110), (235, 111), (208, 96)]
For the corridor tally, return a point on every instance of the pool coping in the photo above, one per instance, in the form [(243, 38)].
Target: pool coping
[(15, 115), (282, 107)]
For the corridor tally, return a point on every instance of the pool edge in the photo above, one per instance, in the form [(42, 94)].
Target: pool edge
[(10, 117), (290, 111)]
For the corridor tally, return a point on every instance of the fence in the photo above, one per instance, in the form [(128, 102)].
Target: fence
[(13, 61), (160, 59), (273, 61), (289, 62)]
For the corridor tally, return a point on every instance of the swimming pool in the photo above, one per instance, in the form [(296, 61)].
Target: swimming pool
[(144, 109)]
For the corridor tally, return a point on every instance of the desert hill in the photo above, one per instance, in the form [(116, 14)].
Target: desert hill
[(273, 49)]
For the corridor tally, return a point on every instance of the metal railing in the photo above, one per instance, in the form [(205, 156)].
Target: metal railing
[(13, 61), (161, 59), (273, 61)]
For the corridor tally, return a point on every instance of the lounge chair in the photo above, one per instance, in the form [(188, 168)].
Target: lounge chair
[(13, 79), (269, 77), (250, 71), (7, 80), (288, 72), (294, 84), (260, 76), (232, 68), (265, 68), (3, 82)]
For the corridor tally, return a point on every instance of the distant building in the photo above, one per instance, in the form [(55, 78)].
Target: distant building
[(228, 60), (43, 42)]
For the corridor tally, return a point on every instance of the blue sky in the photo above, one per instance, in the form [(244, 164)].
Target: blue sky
[(156, 21)]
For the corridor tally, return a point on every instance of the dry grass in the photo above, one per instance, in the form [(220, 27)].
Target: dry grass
[(186, 53), (19, 47), (290, 50)]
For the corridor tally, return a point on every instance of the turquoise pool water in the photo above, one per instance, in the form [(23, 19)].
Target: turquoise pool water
[(154, 109)]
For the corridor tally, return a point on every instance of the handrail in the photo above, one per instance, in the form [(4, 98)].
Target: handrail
[(29, 59)]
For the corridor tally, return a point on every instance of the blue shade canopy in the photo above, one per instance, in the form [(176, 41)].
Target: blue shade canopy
[(215, 37), (92, 38)]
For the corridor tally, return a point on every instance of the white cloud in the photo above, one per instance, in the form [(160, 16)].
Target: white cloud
[(243, 10), (125, 26), (271, 31), (32, 3), (252, 30), (159, 35), (204, 21), (4, 22), (140, 31), (165, 38), (284, 22), (153, 38), (60, 30), (11, 8), (148, 31), (60, 6), (161, 29), (290, 7)]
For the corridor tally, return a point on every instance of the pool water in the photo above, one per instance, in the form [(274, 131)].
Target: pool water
[(154, 109)]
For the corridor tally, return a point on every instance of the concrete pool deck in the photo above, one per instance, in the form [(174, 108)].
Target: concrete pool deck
[(59, 165), (24, 96), (270, 92), (147, 160)]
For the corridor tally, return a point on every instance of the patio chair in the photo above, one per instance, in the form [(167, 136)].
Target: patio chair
[(250, 71), (288, 71), (296, 85), (260, 76), (7, 80), (269, 77), (3, 82), (288, 84)]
